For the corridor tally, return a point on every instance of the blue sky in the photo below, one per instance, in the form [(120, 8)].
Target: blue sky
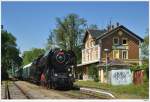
[(31, 22)]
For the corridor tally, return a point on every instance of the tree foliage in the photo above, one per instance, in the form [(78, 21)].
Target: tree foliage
[(69, 31), (10, 53), (68, 34), (29, 56), (51, 42), (145, 48), (93, 27), (145, 54), (93, 72)]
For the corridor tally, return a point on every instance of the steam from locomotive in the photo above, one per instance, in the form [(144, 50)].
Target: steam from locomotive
[(54, 69)]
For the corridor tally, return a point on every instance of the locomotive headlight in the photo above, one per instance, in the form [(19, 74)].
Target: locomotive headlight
[(70, 75), (55, 75), (69, 69)]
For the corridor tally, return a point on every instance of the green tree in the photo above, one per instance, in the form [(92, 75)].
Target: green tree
[(51, 41), (93, 72), (69, 33), (144, 47), (10, 53), (145, 54), (29, 56)]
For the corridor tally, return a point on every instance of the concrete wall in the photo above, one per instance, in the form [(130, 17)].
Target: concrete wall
[(120, 77)]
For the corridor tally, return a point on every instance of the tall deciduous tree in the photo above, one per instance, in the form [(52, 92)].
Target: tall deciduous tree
[(69, 33), (51, 41), (145, 53), (145, 48), (10, 53)]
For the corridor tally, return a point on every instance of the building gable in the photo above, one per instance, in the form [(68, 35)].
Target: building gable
[(121, 27), (131, 48), (89, 41), (94, 33)]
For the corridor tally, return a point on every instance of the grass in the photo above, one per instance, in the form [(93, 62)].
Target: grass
[(120, 91)]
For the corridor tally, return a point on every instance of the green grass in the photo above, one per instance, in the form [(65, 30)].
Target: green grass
[(120, 91)]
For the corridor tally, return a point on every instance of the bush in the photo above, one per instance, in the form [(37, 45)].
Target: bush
[(144, 67), (93, 72)]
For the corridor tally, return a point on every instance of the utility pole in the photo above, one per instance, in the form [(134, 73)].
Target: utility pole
[(106, 51)]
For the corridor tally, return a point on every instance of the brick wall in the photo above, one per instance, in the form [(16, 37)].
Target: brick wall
[(133, 45)]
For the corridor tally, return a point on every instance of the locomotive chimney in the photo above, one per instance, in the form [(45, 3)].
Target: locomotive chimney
[(112, 26)]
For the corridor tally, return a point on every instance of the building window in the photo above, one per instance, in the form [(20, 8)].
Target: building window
[(124, 41), (88, 56), (96, 53), (83, 55), (86, 45), (116, 41), (116, 54), (91, 43), (124, 54), (91, 54)]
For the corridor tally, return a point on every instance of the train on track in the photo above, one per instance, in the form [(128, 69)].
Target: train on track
[(54, 69)]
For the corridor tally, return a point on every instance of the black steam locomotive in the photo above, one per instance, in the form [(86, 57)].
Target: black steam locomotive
[(54, 69)]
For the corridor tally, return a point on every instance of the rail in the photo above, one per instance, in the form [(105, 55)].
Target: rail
[(7, 93)]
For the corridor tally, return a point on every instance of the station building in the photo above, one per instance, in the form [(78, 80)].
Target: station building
[(117, 47)]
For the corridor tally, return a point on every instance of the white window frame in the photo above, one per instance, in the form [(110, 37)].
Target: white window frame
[(87, 44), (126, 41), (92, 41), (122, 54), (118, 40)]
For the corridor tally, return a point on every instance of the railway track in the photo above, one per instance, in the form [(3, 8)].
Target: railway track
[(25, 90), (12, 91)]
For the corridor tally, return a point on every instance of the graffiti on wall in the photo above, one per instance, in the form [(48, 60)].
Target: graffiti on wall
[(120, 77)]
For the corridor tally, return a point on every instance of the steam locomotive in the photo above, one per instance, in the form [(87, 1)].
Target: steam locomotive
[(54, 69)]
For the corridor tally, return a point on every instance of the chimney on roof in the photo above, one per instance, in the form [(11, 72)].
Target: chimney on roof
[(117, 24), (112, 26), (108, 28)]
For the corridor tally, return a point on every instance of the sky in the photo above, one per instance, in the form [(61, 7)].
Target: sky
[(31, 22)]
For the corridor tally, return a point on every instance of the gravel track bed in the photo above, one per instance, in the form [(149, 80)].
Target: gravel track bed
[(37, 92)]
